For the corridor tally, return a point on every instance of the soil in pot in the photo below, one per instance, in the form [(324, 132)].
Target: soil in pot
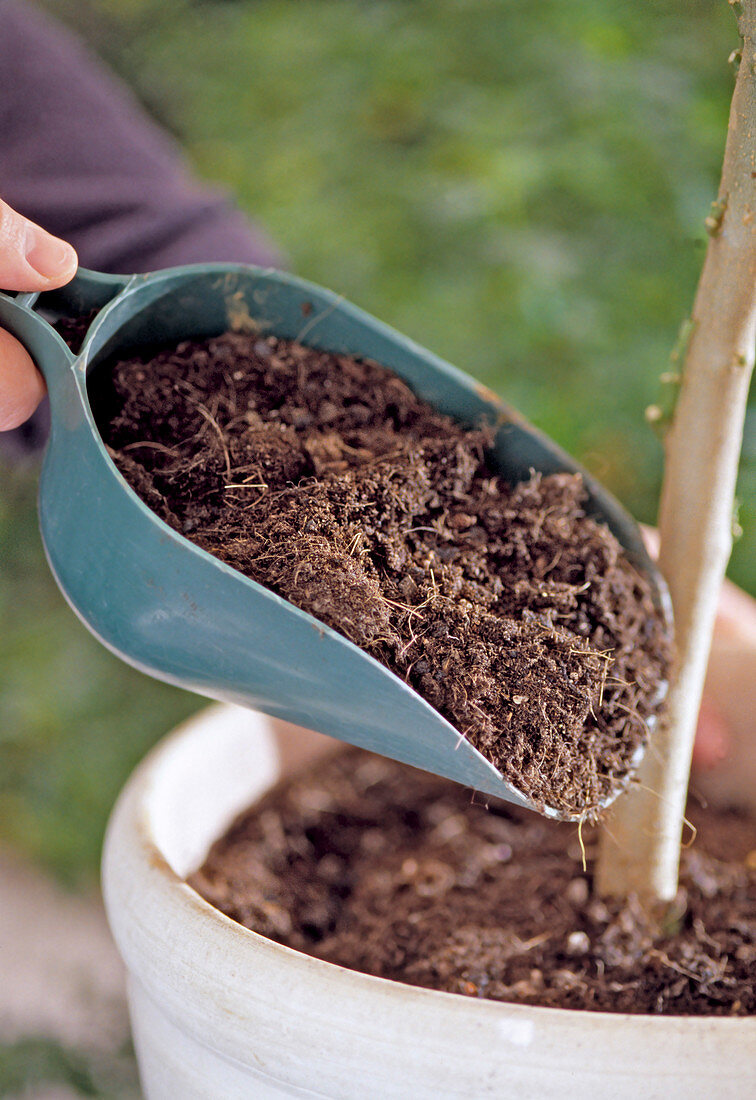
[(327, 480), (375, 866)]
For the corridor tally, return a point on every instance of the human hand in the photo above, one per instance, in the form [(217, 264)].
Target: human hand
[(30, 259), (724, 755), (725, 752)]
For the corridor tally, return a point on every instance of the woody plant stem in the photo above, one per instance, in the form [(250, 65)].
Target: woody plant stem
[(640, 846)]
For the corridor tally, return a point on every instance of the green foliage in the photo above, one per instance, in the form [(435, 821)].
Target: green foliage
[(74, 720), (521, 187), (43, 1062)]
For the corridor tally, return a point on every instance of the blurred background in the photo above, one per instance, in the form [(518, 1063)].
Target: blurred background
[(520, 187)]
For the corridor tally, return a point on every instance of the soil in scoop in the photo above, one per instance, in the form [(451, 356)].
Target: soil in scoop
[(375, 866), (327, 480), (74, 329)]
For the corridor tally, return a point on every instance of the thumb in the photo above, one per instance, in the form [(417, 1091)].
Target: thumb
[(30, 257)]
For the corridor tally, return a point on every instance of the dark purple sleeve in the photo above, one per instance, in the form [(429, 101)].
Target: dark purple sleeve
[(79, 156)]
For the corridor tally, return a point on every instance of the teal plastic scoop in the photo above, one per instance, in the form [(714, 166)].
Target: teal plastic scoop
[(175, 612)]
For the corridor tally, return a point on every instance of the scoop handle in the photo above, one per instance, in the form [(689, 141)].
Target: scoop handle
[(88, 290), (22, 314)]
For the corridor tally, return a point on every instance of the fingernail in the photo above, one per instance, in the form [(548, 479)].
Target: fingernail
[(50, 257)]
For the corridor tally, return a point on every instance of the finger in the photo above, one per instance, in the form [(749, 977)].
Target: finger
[(30, 257), (736, 616), (21, 385), (651, 540), (712, 736)]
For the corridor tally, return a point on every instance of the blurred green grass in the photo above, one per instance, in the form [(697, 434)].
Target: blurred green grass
[(40, 1064), (74, 720), (519, 186)]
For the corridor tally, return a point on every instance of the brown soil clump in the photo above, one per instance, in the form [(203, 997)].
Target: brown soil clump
[(375, 866), (325, 479)]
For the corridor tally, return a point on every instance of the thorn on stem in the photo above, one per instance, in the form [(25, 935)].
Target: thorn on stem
[(713, 222), (659, 419)]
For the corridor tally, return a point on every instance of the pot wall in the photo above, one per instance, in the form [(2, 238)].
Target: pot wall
[(220, 1012)]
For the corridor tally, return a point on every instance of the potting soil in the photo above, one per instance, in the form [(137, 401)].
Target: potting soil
[(326, 479), (74, 329), (375, 866)]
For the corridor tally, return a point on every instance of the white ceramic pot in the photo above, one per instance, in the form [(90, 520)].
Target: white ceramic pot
[(221, 1013)]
